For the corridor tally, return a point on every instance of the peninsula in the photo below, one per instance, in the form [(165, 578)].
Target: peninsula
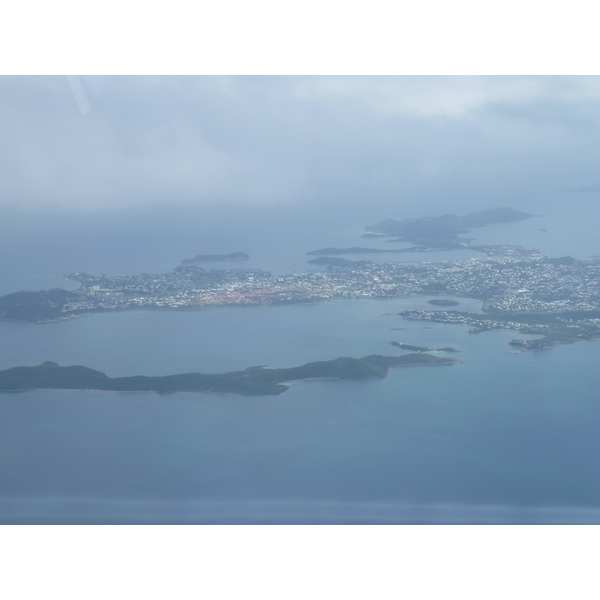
[(254, 381), (553, 329)]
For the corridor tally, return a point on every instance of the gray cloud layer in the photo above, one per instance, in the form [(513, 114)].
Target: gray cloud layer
[(263, 140)]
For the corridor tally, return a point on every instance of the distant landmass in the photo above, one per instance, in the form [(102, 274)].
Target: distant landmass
[(446, 225), (443, 302), (216, 258), (421, 348), (511, 251), (338, 262), (434, 234), (353, 250), (442, 232), (254, 381)]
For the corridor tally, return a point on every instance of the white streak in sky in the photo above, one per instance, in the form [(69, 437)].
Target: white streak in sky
[(79, 93)]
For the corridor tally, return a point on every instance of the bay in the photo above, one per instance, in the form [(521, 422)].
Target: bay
[(500, 437)]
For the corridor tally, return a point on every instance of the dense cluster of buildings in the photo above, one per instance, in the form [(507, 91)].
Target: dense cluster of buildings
[(458, 318), (510, 284)]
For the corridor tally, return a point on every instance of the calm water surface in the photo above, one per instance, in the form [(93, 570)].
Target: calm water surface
[(500, 437)]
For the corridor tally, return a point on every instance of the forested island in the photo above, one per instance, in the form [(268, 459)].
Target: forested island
[(439, 233), (443, 302), (411, 348), (254, 381)]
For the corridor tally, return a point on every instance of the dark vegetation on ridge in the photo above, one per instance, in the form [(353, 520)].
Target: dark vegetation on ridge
[(254, 381), (443, 231), (420, 348), (443, 302), (34, 306), (431, 233)]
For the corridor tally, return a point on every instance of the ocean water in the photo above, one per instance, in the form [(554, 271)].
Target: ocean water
[(498, 438), (38, 249)]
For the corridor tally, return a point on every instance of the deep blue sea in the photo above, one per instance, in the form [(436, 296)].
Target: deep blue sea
[(499, 438)]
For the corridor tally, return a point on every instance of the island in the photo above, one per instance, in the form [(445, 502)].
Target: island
[(421, 348), (509, 250), (445, 226), (443, 302), (216, 258), (441, 233), (254, 381)]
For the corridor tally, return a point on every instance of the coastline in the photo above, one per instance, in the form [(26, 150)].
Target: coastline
[(484, 309), (236, 305), (275, 387)]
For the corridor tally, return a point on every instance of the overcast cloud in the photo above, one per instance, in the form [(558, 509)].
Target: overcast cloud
[(274, 140)]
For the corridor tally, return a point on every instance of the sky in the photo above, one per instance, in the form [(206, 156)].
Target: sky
[(107, 143), (126, 174)]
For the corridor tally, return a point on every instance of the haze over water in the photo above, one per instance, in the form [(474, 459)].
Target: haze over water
[(499, 437)]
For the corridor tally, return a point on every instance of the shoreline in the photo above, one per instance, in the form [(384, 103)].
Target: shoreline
[(284, 383), (69, 317)]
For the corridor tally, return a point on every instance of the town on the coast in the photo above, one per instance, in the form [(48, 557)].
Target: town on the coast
[(556, 298), (542, 285), (533, 294)]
